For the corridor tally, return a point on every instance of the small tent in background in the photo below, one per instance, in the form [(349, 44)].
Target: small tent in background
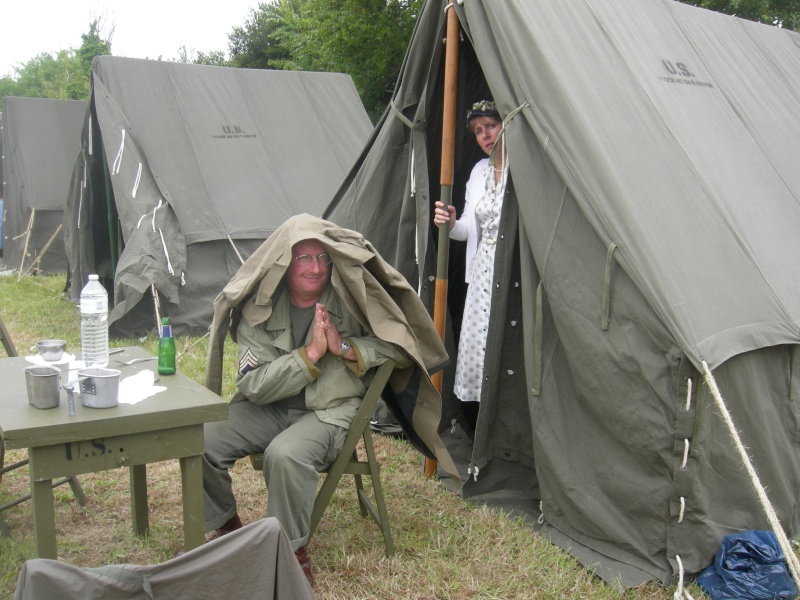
[(40, 139), (186, 169), (653, 227), (1, 184)]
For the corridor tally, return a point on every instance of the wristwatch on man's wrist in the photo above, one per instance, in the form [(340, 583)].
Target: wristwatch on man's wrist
[(345, 347)]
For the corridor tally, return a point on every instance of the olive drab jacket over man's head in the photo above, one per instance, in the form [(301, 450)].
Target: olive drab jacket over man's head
[(374, 292)]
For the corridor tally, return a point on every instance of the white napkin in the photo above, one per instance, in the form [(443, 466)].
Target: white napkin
[(135, 388), (38, 360)]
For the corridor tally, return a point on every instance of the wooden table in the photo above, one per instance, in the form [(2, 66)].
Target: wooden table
[(165, 426)]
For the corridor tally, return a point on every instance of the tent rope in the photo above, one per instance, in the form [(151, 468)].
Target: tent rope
[(413, 171), (235, 249), (404, 119), (137, 181), (772, 517), (153, 220), (192, 345), (166, 254), (80, 197), (118, 160), (686, 447), (607, 286), (514, 112), (688, 405), (681, 592)]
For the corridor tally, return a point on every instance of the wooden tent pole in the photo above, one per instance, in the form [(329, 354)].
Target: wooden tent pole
[(446, 181)]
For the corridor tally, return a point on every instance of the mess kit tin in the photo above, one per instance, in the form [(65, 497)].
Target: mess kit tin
[(44, 386), (99, 387), (50, 350)]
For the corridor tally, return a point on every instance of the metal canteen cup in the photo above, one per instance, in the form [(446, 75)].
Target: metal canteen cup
[(44, 386), (50, 350), (99, 388)]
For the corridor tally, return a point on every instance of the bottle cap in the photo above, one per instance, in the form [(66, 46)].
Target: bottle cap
[(165, 320)]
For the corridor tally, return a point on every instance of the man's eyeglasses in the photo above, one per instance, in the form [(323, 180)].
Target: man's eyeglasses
[(323, 259)]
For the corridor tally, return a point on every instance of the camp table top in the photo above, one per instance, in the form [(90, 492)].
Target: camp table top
[(165, 426)]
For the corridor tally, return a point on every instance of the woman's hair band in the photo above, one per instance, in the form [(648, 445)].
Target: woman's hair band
[(483, 108)]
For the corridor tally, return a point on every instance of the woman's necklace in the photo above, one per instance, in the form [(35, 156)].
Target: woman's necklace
[(493, 191), (493, 186)]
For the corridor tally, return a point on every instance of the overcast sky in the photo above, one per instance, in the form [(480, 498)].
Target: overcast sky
[(142, 28)]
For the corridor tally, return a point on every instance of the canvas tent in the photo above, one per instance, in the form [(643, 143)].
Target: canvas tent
[(655, 157), (186, 169), (40, 139), (1, 183)]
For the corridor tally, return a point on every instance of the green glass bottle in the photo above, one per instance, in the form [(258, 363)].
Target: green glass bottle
[(166, 349)]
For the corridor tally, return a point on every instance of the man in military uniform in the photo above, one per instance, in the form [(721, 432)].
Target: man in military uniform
[(302, 374)]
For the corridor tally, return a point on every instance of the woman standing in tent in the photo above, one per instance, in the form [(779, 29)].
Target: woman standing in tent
[(479, 225)]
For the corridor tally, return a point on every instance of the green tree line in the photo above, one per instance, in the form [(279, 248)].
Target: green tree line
[(366, 39), (781, 13), (64, 76)]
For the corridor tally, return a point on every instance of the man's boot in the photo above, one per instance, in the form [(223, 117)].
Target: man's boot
[(305, 564), (231, 524)]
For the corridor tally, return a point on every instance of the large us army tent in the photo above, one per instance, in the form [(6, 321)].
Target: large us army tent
[(186, 169), (40, 139), (653, 226)]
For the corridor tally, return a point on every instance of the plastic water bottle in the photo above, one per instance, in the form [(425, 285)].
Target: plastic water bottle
[(166, 349), (94, 323)]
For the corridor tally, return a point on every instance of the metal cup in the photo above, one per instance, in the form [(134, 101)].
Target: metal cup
[(44, 386), (99, 387), (50, 350)]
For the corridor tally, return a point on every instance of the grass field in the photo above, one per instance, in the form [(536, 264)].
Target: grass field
[(445, 547)]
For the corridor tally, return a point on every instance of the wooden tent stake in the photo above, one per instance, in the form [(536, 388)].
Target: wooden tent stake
[(156, 305), (27, 239), (44, 249)]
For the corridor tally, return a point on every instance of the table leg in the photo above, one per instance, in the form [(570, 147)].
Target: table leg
[(139, 511), (193, 514), (44, 518)]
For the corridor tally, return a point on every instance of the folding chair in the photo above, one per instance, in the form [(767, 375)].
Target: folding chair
[(71, 480), (6, 339), (348, 462)]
